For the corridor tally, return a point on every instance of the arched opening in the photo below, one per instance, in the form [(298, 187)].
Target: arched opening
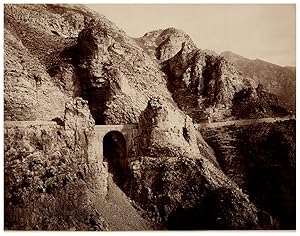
[(115, 153)]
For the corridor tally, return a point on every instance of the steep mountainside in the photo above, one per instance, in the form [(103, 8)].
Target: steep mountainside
[(39, 78), (278, 80), (69, 51), (55, 180), (178, 181)]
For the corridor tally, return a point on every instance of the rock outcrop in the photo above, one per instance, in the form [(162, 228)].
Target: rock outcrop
[(68, 51), (162, 45), (180, 187), (51, 182), (117, 76), (203, 84)]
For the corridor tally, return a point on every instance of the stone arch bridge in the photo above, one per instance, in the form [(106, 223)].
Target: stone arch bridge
[(129, 132), (109, 144)]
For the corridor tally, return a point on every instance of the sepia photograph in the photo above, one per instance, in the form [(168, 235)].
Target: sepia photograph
[(149, 117)]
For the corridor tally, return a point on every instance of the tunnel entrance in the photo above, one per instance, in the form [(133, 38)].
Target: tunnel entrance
[(115, 153)]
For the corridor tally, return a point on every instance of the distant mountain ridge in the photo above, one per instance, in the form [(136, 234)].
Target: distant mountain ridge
[(276, 79)]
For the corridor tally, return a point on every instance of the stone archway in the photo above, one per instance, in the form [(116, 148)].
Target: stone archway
[(115, 154)]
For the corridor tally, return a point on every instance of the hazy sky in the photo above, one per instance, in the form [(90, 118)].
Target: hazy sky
[(266, 32)]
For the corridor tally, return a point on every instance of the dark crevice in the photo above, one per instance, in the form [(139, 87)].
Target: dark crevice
[(79, 175), (93, 89), (55, 32), (58, 121), (186, 134)]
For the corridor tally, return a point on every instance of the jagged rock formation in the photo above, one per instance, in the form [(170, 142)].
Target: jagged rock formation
[(275, 79), (211, 81), (84, 54), (178, 185), (202, 83)]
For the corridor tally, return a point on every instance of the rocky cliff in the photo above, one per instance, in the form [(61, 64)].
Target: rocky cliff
[(117, 76), (68, 51), (55, 179), (267, 170)]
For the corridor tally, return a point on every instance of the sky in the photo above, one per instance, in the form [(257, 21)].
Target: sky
[(264, 31)]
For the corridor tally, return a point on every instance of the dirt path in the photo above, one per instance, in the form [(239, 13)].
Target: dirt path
[(118, 211)]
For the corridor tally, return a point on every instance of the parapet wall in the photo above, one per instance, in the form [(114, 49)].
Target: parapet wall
[(8, 124)]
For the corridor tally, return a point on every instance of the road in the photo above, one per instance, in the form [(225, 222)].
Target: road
[(243, 122)]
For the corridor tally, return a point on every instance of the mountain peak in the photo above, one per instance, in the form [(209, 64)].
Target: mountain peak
[(163, 44), (233, 57)]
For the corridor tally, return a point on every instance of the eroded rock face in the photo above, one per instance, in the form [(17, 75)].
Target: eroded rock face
[(205, 83), (55, 178), (165, 126), (29, 93), (202, 84), (78, 116), (172, 40), (69, 51), (165, 44), (39, 75), (117, 76), (172, 180)]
